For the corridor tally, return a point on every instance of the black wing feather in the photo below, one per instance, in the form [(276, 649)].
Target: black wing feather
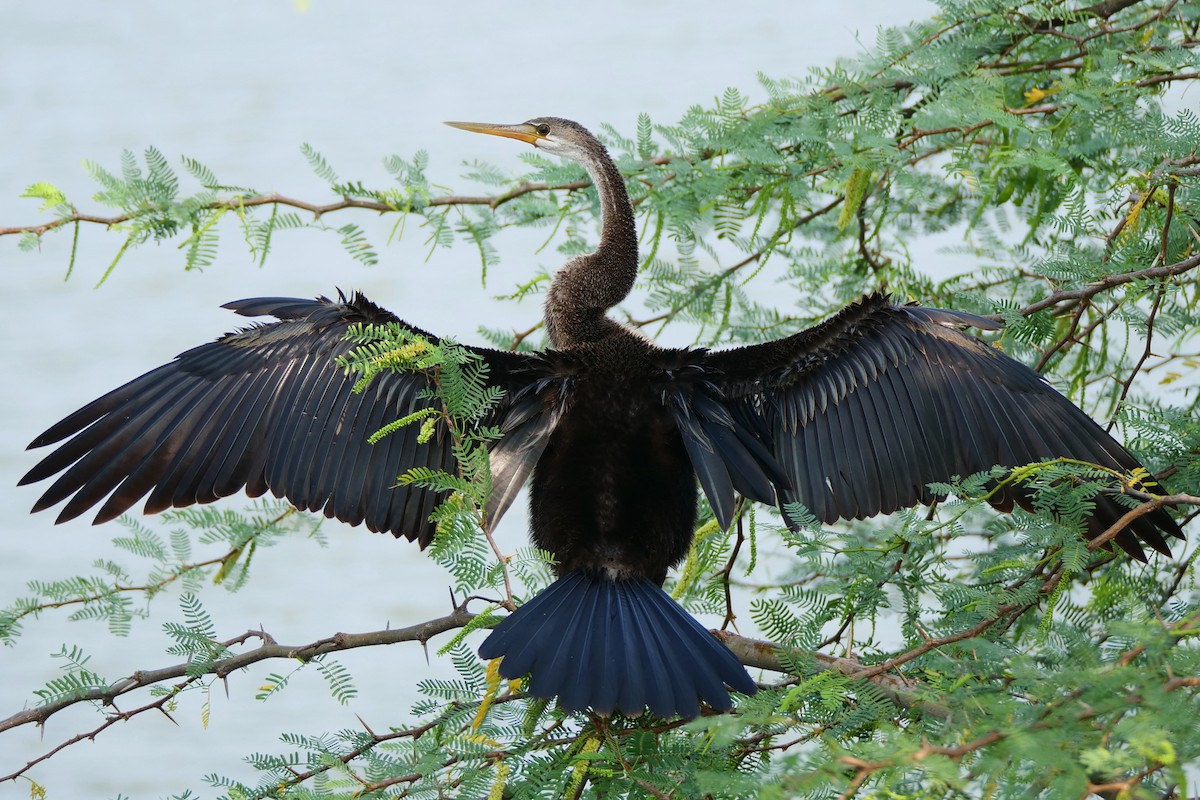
[(267, 408), (867, 409), (726, 445)]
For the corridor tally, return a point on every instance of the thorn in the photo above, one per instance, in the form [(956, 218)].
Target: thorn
[(367, 727)]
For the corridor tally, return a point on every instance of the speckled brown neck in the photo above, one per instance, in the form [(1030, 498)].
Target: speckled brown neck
[(589, 285)]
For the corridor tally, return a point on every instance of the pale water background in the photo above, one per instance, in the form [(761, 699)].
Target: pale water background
[(239, 87)]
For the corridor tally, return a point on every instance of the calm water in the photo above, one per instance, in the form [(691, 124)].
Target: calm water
[(240, 88)]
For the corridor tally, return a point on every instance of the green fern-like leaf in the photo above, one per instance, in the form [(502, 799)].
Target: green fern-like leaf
[(341, 683), (318, 164)]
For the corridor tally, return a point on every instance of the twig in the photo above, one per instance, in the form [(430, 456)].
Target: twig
[(727, 572), (1150, 505), (1127, 384), (110, 720)]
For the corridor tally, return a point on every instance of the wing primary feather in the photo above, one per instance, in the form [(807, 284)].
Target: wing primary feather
[(908, 445), (104, 417), (191, 476), (282, 421), (983, 414), (223, 440), (123, 444), (73, 423), (942, 426)]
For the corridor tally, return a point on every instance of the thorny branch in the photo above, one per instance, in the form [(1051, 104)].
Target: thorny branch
[(319, 210), (1108, 282), (270, 649), (726, 572)]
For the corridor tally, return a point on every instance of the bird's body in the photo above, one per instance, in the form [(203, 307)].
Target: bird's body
[(851, 418), (614, 490)]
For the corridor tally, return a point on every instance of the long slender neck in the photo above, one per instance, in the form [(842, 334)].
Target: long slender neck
[(587, 286)]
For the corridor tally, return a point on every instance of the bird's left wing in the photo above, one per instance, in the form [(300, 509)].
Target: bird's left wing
[(868, 408), (268, 408)]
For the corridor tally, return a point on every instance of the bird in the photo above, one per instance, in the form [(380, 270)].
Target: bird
[(614, 434)]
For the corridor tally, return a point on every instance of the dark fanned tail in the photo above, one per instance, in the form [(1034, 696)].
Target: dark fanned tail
[(615, 645)]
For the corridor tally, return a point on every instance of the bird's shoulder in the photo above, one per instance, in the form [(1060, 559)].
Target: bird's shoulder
[(631, 357)]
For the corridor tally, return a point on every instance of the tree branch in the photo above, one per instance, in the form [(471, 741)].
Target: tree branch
[(765, 655), (422, 632), (318, 210), (1109, 282)]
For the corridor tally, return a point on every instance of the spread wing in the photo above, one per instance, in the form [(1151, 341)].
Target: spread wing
[(868, 408), (267, 408)]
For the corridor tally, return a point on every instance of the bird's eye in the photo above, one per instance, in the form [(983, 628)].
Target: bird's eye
[(543, 129)]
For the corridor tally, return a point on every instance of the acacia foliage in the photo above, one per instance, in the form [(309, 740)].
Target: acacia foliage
[(978, 655)]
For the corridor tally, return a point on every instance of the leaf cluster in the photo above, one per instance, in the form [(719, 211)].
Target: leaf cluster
[(460, 402), (117, 594)]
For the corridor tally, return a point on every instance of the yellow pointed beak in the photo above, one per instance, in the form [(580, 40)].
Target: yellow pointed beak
[(523, 131)]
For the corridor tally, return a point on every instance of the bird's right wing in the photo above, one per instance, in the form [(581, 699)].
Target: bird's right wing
[(268, 408)]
